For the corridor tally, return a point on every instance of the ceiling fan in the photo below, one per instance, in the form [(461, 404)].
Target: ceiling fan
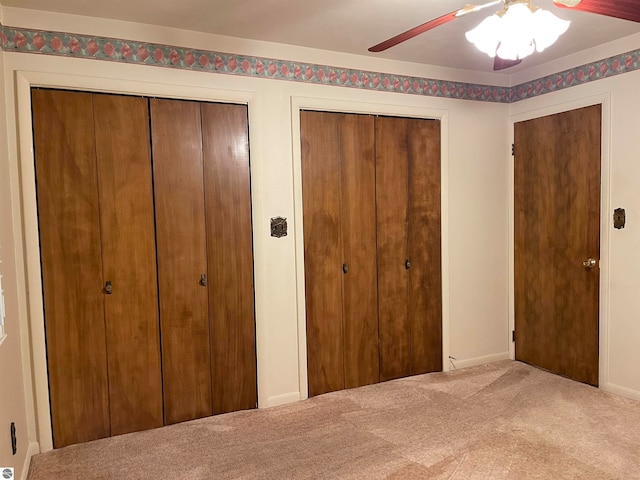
[(623, 9)]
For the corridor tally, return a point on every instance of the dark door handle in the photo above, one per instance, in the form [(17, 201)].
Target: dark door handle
[(108, 287), (345, 268), (203, 280), (407, 264)]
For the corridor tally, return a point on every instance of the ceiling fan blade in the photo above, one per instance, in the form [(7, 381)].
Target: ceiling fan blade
[(414, 32), (624, 9), (431, 24), (501, 63)]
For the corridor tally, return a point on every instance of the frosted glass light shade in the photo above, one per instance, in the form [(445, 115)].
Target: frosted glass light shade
[(486, 36), (547, 28), (517, 33)]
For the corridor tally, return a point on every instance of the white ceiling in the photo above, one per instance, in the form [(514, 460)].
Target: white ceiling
[(349, 26)]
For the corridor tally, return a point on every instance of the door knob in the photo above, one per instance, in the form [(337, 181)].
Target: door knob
[(108, 287), (203, 280), (345, 268), (590, 263), (407, 264)]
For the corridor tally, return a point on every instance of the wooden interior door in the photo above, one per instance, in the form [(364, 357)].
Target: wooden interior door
[(358, 226), (323, 258), (227, 182), (425, 273), (70, 247), (338, 182), (557, 228), (392, 201), (409, 246), (129, 262), (182, 258)]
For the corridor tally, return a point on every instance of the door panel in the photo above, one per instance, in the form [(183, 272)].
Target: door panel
[(322, 251), (230, 256), (392, 201), (129, 262), (182, 258), (357, 165), (557, 227), (425, 274), (69, 222)]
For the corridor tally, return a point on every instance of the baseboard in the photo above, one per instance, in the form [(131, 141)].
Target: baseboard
[(32, 449), (282, 399), (622, 391), (472, 362)]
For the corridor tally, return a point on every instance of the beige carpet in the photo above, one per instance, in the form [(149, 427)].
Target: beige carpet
[(505, 420)]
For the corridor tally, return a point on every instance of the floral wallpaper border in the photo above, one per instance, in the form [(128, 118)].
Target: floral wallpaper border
[(142, 53)]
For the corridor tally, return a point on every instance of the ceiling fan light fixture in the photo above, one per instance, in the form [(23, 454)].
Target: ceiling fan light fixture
[(517, 32)]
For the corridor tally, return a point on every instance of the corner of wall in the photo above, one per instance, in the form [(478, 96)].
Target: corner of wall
[(32, 450)]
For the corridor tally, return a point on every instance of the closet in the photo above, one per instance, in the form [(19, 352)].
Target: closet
[(205, 259), (371, 215), (145, 233)]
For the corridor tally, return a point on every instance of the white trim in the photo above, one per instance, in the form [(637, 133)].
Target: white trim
[(603, 99), (333, 105), (24, 81), (282, 399), (622, 391), (472, 362), (32, 450)]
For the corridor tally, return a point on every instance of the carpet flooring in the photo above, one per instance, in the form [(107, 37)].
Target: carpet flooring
[(504, 420)]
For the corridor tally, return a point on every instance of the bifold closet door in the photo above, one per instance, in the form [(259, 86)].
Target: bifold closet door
[(358, 198), (425, 274), (129, 262), (71, 256), (225, 133), (95, 207), (322, 251), (338, 181), (392, 194), (182, 258), (409, 261)]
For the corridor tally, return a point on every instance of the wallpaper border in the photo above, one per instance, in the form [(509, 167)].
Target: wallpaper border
[(43, 42)]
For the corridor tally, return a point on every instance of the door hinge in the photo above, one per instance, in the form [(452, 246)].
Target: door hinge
[(513, 335), (513, 149)]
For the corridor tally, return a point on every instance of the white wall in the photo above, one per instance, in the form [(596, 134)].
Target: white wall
[(478, 166), (476, 187), (13, 406), (620, 252)]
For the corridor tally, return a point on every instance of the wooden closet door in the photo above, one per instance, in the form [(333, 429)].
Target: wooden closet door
[(69, 222), (182, 258), (225, 133), (357, 166), (322, 251), (392, 201), (129, 262), (425, 273)]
